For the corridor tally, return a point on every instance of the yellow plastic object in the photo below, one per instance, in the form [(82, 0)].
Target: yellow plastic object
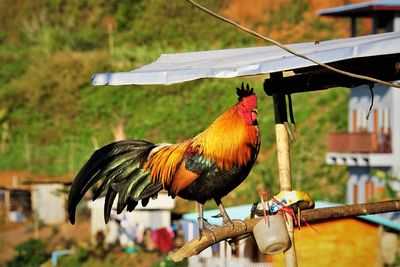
[(301, 199)]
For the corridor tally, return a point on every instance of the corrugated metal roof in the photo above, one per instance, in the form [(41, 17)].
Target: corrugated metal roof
[(228, 63), (243, 211), (383, 5)]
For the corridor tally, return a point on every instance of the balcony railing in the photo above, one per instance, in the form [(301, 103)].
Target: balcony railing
[(359, 143)]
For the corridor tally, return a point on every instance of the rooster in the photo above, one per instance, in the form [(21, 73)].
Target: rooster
[(207, 166)]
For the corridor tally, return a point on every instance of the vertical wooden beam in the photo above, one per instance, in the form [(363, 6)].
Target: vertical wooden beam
[(353, 26), (283, 153), (7, 204), (374, 29), (34, 206)]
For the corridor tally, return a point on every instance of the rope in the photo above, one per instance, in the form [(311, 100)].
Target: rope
[(371, 89)]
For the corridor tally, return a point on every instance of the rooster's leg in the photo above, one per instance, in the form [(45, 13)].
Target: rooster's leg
[(201, 216), (224, 214), (201, 221)]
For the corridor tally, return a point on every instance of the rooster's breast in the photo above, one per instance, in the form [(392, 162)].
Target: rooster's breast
[(215, 183)]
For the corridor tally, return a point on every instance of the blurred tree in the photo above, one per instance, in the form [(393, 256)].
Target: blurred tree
[(51, 91), (31, 253)]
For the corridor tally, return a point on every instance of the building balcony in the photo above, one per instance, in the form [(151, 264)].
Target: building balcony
[(363, 142)]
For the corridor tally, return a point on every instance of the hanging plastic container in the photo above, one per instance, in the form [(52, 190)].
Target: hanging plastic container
[(271, 235)]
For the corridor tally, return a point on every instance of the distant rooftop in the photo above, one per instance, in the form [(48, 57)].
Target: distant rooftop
[(365, 9), (22, 180)]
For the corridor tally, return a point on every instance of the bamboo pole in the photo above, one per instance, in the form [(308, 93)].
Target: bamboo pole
[(283, 153)]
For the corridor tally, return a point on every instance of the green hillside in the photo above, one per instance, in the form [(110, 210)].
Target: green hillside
[(51, 119)]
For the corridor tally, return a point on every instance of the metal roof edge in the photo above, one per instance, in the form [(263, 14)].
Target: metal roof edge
[(352, 7), (237, 62)]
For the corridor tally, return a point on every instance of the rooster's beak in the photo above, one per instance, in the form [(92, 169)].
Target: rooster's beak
[(254, 113)]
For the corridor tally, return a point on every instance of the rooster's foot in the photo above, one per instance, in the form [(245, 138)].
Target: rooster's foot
[(228, 222), (225, 218), (205, 231), (239, 221)]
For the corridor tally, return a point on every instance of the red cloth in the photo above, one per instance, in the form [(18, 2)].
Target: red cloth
[(163, 239)]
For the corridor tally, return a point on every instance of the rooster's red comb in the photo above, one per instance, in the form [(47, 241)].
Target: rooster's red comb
[(244, 92)]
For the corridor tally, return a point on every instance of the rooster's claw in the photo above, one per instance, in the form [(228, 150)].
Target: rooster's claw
[(240, 221), (203, 231)]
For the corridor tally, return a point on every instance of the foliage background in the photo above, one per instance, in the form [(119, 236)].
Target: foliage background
[(51, 119)]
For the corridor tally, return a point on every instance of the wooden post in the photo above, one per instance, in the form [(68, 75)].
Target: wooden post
[(36, 223), (353, 26), (7, 204), (283, 152)]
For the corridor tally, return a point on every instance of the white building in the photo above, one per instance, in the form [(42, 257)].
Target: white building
[(157, 213), (372, 144), (49, 202)]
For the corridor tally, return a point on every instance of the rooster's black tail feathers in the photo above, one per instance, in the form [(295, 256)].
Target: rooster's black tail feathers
[(119, 166)]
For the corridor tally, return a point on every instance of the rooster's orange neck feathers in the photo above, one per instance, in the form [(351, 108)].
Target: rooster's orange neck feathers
[(228, 141)]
